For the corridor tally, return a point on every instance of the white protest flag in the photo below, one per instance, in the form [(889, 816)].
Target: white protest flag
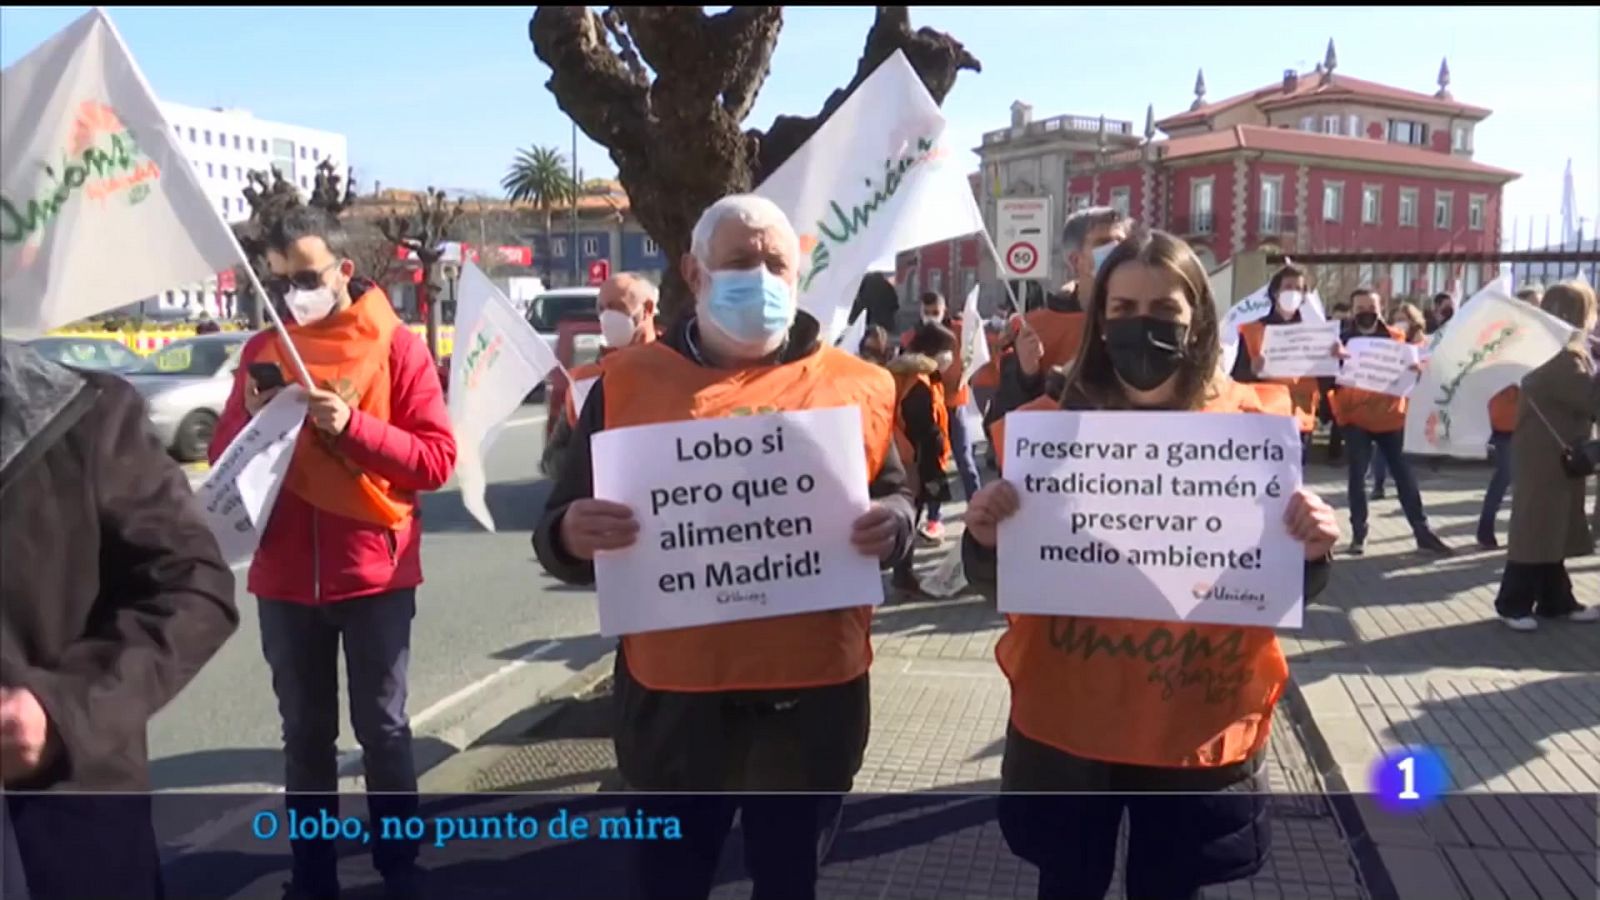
[(98, 206), (875, 179), (499, 358), (975, 344), (1489, 345), (238, 494)]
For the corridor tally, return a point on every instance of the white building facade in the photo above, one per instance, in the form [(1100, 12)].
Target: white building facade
[(224, 146)]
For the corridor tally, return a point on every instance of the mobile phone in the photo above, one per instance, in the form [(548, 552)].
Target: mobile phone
[(267, 376)]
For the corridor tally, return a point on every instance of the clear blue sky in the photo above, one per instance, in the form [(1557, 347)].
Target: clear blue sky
[(446, 95)]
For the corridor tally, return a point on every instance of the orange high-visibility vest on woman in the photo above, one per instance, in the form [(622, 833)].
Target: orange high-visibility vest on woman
[(1164, 694), (1370, 411), (654, 383), (1303, 391)]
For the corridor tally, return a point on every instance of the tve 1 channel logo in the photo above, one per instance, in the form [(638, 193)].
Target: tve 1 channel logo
[(1409, 779)]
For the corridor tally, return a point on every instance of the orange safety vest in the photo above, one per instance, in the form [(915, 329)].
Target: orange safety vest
[(1368, 410), (1060, 332), (903, 383), (347, 353), (988, 375), (1163, 694), (654, 384), (1302, 391), (1503, 409)]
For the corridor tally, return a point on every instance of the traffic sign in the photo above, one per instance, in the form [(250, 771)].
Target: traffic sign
[(1023, 228), (1021, 258), (599, 271)]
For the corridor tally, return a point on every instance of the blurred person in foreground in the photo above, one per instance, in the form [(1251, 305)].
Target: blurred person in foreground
[(1093, 735), (113, 595), (1556, 413), (341, 556), (759, 705)]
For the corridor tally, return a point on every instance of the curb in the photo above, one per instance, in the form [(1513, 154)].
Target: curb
[(1397, 857), (1369, 862), (454, 771)]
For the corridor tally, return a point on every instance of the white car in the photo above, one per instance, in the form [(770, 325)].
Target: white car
[(186, 384)]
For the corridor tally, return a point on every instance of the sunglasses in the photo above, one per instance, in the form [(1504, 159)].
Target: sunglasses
[(305, 280)]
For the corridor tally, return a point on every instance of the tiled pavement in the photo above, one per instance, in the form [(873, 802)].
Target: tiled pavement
[(1401, 650)]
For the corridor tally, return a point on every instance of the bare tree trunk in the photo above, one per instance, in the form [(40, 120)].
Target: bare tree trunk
[(676, 140)]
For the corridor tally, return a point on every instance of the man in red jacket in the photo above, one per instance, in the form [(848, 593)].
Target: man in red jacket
[(339, 560)]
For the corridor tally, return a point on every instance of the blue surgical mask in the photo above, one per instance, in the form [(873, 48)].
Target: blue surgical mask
[(1101, 253), (751, 306)]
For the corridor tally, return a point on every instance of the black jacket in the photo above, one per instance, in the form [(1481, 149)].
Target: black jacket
[(1244, 370), (921, 427), (575, 478), (113, 592)]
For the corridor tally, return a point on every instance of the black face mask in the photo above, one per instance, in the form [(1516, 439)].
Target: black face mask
[(1445, 314), (1366, 321), (1145, 351)]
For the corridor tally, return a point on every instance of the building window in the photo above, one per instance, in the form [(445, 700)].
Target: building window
[(210, 171), (1200, 213), (225, 205), (316, 154), (252, 144), (1354, 123), (558, 247), (1475, 206), (1332, 201), (1371, 204), (1458, 141), (1443, 203), (1402, 131), (650, 248), (1308, 123), (192, 138), (1438, 278), (1400, 278), (236, 142), (936, 280), (222, 140), (1408, 207), (1271, 197), (1330, 124), (302, 152), (224, 173), (1122, 200), (208, 138), (591, 247), (1080, 201), (303, 184)]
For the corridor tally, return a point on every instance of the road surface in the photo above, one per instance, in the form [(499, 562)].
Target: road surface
[(485, 605)]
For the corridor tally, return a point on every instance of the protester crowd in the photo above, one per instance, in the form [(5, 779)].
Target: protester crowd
[(766, 708)]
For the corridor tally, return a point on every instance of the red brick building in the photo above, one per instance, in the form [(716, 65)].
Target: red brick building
[(1318, 161)]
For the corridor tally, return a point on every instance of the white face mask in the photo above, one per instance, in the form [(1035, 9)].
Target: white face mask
[(310, 307), (932, 320), (1289, 302), (616, 328)]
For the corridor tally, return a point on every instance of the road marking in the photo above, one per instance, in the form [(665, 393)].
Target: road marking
[(220, 827)]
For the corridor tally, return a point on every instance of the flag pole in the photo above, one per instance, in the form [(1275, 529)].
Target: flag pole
[(255, 283)]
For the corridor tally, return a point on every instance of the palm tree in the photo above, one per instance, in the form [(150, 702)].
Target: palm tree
[(539, 175)]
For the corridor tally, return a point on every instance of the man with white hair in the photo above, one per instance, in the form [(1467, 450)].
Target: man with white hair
[(764, 705), (626, 305)]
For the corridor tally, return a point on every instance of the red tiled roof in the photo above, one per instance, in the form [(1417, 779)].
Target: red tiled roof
[(1312, 88), (1302, 143)]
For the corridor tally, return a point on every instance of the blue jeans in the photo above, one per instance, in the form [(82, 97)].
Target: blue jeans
[(1360, 446), (1498, 482), (301, 644), (966, 465)]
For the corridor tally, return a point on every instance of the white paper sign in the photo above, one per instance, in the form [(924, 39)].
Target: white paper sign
[(1380, 365), (1171, 517), (740, 518), (1299, 351), (238, 495)]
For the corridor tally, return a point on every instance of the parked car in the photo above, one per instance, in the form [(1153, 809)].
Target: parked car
[(97, 354), (186, 384)]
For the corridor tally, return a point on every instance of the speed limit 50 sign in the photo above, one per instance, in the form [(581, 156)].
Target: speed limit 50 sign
[(1024, 232)]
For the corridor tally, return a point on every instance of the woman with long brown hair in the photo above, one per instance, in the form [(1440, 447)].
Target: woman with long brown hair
[(1106, 731)]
